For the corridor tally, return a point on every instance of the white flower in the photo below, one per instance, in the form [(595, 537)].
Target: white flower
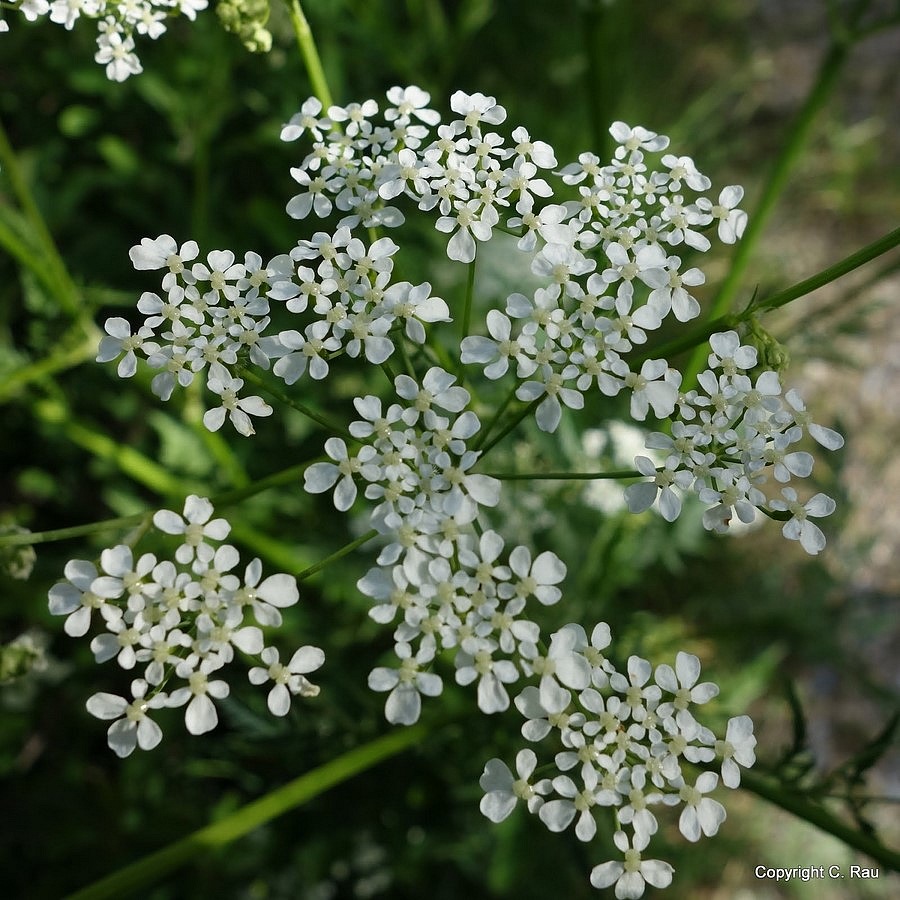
[(306, 120), (799, 527), (406, 684), (503, 791), (557, 815), (238, 409), (116, 52), (728, 354), (636, 697), (76, 599), (133, 727), (414, 305), (642, 495), (119, 338), (497, 353), (631, 876), (700, 814), (637, 138), (736, 750), (551, 387), (682, 683), (163, 252), (476, 108), (732, 221), (473, 219), (534, 579), (121, 642), (320, 477), (200, 715), (289, 679), (828, 438), (195, 526), (266, 597), (491, 674)]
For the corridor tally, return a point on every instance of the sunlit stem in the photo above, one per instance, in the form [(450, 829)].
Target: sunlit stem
[(310, 54), (296, 793), (700, 334), (774, 186)]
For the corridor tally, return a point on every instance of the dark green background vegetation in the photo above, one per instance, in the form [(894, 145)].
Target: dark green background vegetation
[(191, 148)]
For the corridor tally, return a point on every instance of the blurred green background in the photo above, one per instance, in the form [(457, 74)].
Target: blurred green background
[(191, 148)]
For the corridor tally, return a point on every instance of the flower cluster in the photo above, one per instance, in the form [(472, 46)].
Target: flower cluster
[(180, 622), (117, 24), (446, 585), (629, 744), (607, 259), (344, 289), (211, 315), (730, 435)]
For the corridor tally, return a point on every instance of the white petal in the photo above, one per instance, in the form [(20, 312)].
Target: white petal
[(106, 706), (200, 715), (279, 700), (403, 705)]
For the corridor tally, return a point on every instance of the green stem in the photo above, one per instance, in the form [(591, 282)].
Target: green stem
[(294, 794), (523, 413), (63, 534), (489, 427), (832, 273), (778, 177), (800, 806), (467, 301), (286, 476), (318, 418), (701, 333), (310, 54), (338, 554)]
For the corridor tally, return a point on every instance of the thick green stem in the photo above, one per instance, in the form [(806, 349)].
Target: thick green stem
[(774, 186), (310, 54), (816, 814), (832, 273), (149, 870), (699, 334)]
